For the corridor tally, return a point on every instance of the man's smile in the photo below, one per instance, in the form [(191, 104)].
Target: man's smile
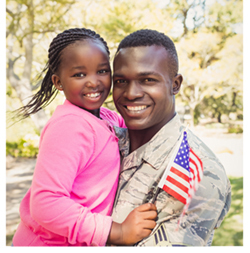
[(136, 108)]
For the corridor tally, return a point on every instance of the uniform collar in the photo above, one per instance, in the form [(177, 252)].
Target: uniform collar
[(155, 151)]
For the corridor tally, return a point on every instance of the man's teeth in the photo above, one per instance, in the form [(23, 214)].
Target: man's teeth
[(92, 95), (136, 108)]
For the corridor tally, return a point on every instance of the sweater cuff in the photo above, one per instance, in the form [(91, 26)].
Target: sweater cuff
[(103, 226)]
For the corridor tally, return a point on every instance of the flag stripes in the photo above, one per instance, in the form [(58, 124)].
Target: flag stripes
[(173, 191), (183, 174)]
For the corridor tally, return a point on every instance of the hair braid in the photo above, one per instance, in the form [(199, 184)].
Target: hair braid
[(47, 91)]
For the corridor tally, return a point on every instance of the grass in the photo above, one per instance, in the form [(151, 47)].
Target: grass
[(230, 233)]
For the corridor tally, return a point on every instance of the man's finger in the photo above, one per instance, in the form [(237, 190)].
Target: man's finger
[(146, 207)]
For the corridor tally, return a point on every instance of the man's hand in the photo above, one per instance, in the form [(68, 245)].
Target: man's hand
[(138, 225)]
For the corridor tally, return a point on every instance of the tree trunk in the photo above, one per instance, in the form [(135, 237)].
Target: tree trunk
[(219, 117), (22, 85), (192, 116)]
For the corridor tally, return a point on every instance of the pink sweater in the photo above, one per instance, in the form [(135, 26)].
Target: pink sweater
[(74, 181)]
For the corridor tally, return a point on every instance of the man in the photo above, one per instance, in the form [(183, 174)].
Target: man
[(146, 81)]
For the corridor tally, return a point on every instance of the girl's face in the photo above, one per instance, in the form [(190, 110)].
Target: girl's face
[(84, 75)]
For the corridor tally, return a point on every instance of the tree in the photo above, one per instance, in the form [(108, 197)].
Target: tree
[(206, 63), (29, 21)]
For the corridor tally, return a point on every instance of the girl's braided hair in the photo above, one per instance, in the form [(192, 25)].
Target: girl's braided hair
[(48, 91)]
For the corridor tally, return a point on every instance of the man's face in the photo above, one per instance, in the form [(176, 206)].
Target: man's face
[(143, 89)]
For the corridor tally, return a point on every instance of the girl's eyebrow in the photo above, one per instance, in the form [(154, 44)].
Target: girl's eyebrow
[(83, 67), (79, 67)]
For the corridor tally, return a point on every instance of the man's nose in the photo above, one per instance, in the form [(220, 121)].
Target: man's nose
[(133, 90)]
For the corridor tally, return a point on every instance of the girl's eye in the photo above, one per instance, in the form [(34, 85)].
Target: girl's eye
[(103, 71), (79, 75)]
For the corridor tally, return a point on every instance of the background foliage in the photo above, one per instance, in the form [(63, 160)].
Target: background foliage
[(209, 41), (207, 33)]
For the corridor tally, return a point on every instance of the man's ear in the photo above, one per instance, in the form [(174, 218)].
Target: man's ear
[(177, 81), (57, 82)]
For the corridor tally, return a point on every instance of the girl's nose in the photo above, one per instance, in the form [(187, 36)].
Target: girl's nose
[(91, 81)]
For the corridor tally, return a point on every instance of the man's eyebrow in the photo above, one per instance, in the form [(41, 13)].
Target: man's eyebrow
[(149, 73), (118, 75), (140, 74)]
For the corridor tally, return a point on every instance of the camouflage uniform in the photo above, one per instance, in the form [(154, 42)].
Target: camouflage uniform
[(140, 173)]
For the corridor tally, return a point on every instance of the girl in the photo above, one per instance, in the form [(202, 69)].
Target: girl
[(76, 174)]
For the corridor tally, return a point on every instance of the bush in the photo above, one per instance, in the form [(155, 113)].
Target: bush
[(25, 147), (235, 130)]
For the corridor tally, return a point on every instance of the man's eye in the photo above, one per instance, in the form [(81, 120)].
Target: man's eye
[(149, 80), (119, 81)]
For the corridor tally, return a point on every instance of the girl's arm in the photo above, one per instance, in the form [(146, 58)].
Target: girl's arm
[(65, 150)]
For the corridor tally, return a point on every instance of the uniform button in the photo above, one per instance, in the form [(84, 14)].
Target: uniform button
[(183, 225)]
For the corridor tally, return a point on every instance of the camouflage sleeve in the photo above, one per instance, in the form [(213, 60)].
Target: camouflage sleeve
[(226, 206), (206, 211)]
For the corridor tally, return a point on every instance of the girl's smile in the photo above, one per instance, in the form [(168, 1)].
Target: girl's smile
[(84, 75)]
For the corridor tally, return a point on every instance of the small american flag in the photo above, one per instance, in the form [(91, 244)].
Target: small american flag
[(183, 173)]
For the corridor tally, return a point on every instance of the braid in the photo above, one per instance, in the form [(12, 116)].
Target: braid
[(48, 91)]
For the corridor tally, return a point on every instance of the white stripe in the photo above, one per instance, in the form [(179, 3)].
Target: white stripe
[(176, 189), (198, 164), (176, 148), (194, 173), (184, 171), (179, 179), (162, 181)]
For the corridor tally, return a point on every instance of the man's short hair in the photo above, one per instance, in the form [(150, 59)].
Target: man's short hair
[(147, 37)]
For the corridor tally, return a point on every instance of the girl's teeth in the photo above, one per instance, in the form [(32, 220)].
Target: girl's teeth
[(136, 108), (92, 95)]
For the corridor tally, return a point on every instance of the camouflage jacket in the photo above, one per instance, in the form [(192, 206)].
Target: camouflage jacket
[(139, 176)]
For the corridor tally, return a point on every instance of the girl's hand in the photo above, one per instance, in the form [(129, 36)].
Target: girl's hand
[(138, 225)]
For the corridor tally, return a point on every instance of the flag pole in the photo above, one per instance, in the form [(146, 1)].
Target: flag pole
[(158, 188), (156, 194)]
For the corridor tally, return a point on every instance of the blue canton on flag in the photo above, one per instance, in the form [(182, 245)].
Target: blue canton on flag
[(182, 157)]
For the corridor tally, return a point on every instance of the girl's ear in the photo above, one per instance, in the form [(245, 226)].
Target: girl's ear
[(57, 82), (177, 81)]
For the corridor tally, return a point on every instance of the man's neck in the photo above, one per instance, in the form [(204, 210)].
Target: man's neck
[(140, 137)]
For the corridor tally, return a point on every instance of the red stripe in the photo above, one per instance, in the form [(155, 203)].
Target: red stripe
[(196, 167), (180, 174), (177, 184), (192, 174), (174, 194), (197, 158)]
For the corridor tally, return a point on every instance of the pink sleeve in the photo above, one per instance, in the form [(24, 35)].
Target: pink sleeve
[(113, 117), (66, 148)]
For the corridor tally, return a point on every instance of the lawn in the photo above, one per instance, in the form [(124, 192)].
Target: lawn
[(230, 233)]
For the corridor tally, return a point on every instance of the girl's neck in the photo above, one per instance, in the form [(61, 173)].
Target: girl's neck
[(95, 112)]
